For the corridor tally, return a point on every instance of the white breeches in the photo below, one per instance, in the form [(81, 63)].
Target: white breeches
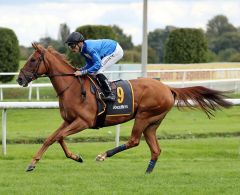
[(111, 59)]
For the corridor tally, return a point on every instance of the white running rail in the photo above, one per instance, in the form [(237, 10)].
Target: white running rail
[(25, 105)]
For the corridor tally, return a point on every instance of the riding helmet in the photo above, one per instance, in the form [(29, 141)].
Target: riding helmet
[(74, 37)]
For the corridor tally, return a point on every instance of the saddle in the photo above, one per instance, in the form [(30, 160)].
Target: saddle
[(123, 104)]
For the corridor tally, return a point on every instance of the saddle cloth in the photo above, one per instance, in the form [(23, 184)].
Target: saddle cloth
[(124, 101), (123, 104)]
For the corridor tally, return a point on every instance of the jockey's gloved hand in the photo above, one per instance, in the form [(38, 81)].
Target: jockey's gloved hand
[(80, 73), (82, 68)]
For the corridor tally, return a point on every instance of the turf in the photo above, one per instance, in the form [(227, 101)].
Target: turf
[(193, 166)]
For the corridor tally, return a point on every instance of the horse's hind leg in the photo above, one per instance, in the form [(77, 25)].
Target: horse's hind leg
[(151, 139), (133, 141)]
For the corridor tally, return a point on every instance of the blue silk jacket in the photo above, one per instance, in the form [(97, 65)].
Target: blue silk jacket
[(94, 51)]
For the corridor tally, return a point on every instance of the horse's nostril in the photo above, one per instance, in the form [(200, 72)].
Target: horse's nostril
[(20, 80)]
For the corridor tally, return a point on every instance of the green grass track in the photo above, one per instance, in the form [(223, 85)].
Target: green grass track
[(192, 166)]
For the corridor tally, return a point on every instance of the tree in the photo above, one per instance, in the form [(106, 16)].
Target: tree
[(59, 46), (223, 37), (124, 40), (226, 55), (46, 41), (97, 32), (225, 41), (218, 26), (25, 52), (9, 53), (157, 39), (235, 58), (134, 55), (63, 32), (186, 46)]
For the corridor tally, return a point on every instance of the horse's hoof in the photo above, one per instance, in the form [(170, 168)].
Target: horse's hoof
[(101, 157), (30, 168), (79, 159), (148, 172)]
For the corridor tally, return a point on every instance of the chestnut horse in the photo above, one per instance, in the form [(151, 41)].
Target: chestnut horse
[(152, 101)]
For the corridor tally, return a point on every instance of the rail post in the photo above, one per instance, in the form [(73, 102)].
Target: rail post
[(37, 93), (117, 137), (30, 92), (1, 94), (4, 142)]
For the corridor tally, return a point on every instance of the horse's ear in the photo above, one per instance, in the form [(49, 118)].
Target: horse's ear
[(34, 45)]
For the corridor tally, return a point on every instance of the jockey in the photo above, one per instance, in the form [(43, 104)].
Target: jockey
[(99, 55)]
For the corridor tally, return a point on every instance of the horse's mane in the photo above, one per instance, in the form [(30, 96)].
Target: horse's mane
[(59, 56)]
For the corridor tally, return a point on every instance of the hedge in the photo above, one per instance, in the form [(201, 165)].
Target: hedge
[(9, 53)]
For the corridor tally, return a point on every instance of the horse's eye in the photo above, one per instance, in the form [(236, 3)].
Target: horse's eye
[(32, 60)]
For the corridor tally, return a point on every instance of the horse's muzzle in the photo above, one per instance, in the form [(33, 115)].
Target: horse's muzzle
[(22, 81)]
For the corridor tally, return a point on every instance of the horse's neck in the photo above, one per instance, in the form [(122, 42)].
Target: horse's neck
[(60, 83)]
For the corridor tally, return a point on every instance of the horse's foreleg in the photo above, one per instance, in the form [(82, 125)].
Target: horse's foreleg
[(133, 141), (68, 153), (75, 127), (49, 141), (65, 130)]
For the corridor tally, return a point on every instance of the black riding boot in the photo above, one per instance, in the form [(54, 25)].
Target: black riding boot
[(104, 84)]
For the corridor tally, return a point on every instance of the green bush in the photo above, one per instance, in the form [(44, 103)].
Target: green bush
[(9, 53), (186, 45), (211, 56), (226, 54), (235, 58), (132, 56)]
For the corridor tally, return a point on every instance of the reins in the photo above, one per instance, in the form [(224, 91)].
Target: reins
[(59, 94), (83, 91), (54, 75), (41, 58)]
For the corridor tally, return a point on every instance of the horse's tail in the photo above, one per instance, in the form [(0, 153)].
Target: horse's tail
[(208, 100)]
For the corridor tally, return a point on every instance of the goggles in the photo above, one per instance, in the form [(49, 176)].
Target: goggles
[(72, 45)]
